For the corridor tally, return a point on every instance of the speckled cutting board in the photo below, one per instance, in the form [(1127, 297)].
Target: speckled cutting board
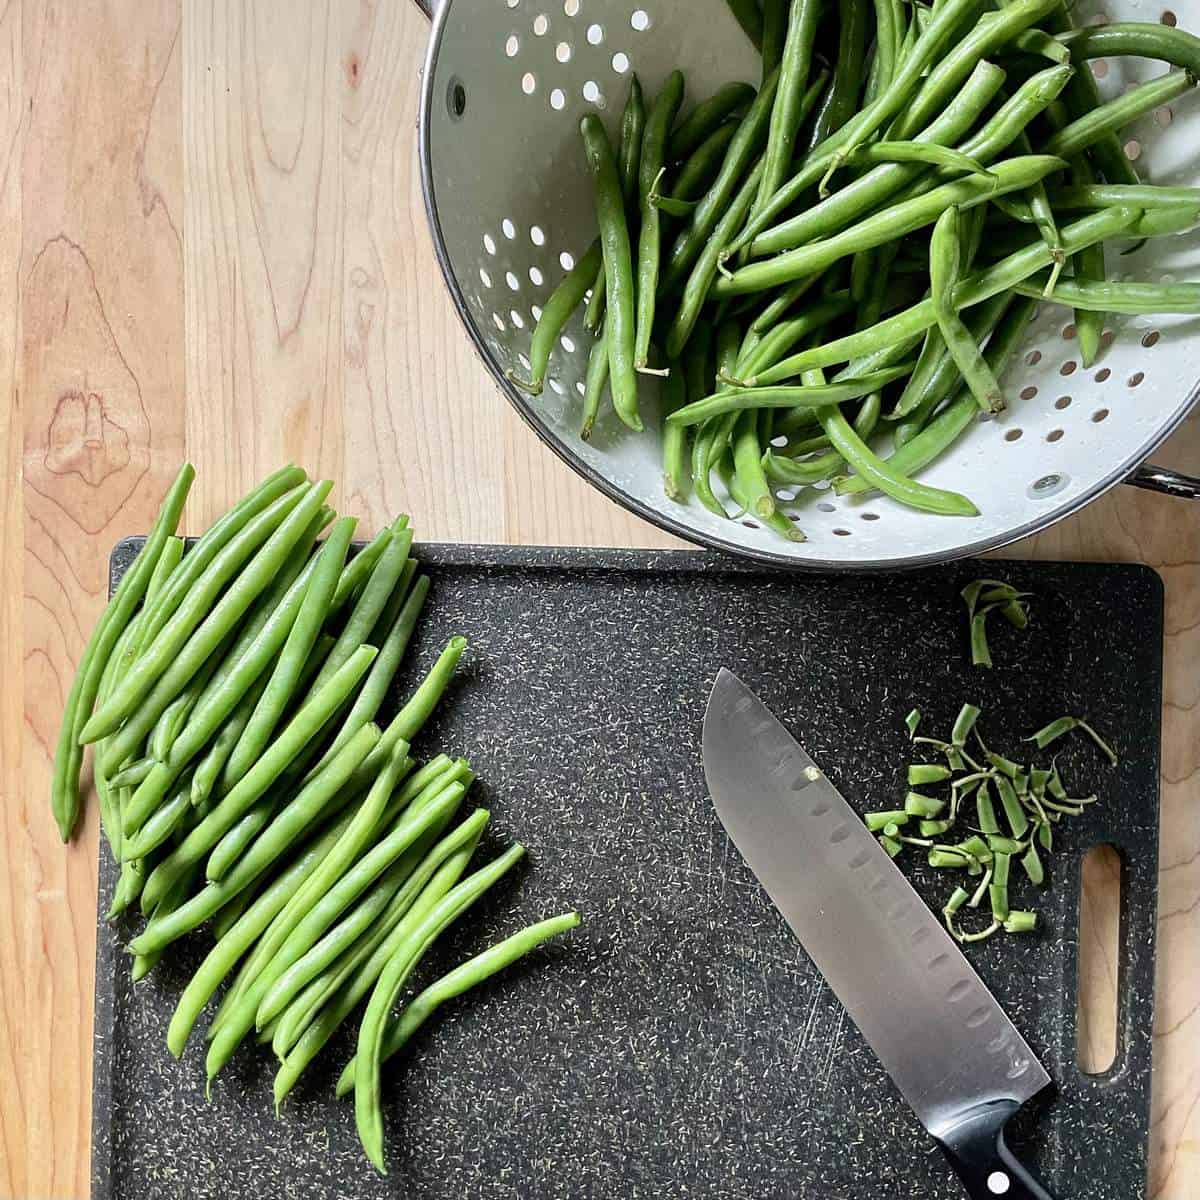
[(680, 1044)]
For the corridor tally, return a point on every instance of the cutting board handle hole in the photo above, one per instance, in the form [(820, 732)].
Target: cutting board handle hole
[(1099, 983)]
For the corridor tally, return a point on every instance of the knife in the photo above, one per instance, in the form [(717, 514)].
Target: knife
[(948, 1046)]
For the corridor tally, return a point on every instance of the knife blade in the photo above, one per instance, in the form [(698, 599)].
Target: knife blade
[(949, 1047)]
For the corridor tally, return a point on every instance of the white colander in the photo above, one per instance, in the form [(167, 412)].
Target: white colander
[(510, 205)]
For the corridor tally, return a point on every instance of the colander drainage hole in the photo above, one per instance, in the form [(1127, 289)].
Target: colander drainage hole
[(841, 533), (620, 62), (1169, 18), (1136, 378), (1099, 415), (571, 7), (558, 99), (640, 20), (1014, 435), (1151, 339), (1103, 375), (1048, 485), (1062, 402), (595, 34), (870, 516), (1055, 435), (566, 260), (537, 235), (456, 99), (825, 506), (591, 92), (540, 24)]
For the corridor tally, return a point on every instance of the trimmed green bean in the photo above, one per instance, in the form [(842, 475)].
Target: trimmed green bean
[(698, 172), (264, 542), (65, 800), (367, 1114), (629, 152), (470, 974), (840, 101), (358, 570), (439, 871), (1142, 195), (749, 16), (265, 771)]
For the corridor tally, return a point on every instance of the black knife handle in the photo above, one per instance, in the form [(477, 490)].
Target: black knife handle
[(977, 1152)]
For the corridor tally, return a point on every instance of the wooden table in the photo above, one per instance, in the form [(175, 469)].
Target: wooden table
[(212, 246)]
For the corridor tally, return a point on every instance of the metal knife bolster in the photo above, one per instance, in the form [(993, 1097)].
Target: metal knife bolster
[(946, 1043)]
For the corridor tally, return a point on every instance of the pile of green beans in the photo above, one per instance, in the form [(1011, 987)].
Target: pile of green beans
[(232, 691), (942, 166), (1010, 808)]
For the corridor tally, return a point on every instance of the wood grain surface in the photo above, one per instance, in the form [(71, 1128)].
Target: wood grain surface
[(212, 245)]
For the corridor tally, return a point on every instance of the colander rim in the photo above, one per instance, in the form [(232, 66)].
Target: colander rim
[(664, 520)]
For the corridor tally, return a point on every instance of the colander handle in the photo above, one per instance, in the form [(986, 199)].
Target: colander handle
[(1171, 483)]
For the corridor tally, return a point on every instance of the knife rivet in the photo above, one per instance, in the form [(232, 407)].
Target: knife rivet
[(998, 1183)]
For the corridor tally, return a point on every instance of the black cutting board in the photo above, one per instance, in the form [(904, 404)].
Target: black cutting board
[(680, 1044)]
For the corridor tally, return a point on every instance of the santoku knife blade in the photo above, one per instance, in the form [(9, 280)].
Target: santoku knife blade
[(957, 1059)]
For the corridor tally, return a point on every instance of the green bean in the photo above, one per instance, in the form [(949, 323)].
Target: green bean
[(992, 32), (593, 315), (698, 172), (287, 973), (740, 398), (265, 771), (383, 670), (65, 801), (424, 784), (597, 379), (862, 125), (106, 788), (367, 608), (707, 119), (749, 16), (842, 98), (629, 152), (794, 68), (470, 974), (1144, 196), (775, 310), (1134, 298), (887, 225), (197, 626), (654, 148), (884, 476), (215, 538), (927, 153), (216, 705), (301, 639), (308, 914), (726, 190), (754, 486), (618, 270), (696, 290), (775, 28), (1140, 39), (813, 470), (222, 958), (945, 379), (775, 344), (162, 822), (230, 913), (907, 180), (133, 774), (439, 871), (1040, 43), (213, 761), (358, 570), (980, 285), (414, 868), (674, 437), (367, 1114), (564, 300), (1117, 113), (171, 719), (945, 274)]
